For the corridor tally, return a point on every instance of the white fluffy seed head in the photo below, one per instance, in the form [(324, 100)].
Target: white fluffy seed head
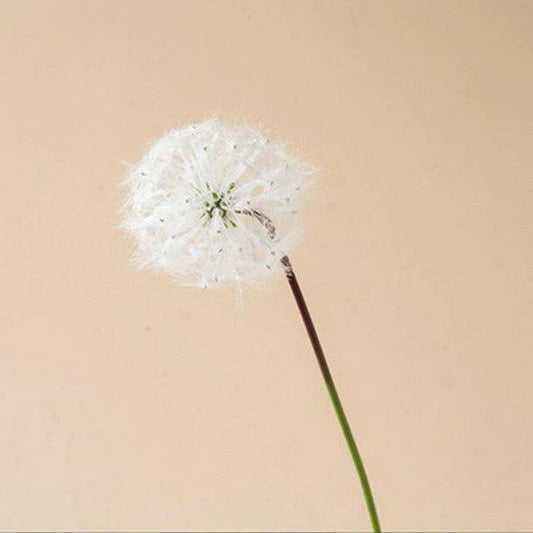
[(188, 196)]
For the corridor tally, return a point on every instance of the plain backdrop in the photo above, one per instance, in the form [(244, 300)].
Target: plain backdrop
[(130, 403)]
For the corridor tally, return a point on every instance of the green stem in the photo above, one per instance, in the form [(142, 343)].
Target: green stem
[(324, 368), (334, 395)]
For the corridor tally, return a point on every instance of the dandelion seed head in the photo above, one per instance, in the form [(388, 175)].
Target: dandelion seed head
[(187, 200)]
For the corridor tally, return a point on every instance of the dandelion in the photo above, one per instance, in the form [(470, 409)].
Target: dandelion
[(213, 203), (189, 197)]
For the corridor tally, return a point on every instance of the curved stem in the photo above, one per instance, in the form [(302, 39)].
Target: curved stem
[(324, 368), (334, 395)]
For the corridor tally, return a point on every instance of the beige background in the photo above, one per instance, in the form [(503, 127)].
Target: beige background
[(130, 403)]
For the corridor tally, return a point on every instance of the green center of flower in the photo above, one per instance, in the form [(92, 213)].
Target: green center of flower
[(219, 203)]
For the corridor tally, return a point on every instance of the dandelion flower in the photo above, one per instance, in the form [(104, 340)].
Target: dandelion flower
[(189, 196), (210, 203)]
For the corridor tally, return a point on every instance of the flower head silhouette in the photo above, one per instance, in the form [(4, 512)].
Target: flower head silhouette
[(188, 197)]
